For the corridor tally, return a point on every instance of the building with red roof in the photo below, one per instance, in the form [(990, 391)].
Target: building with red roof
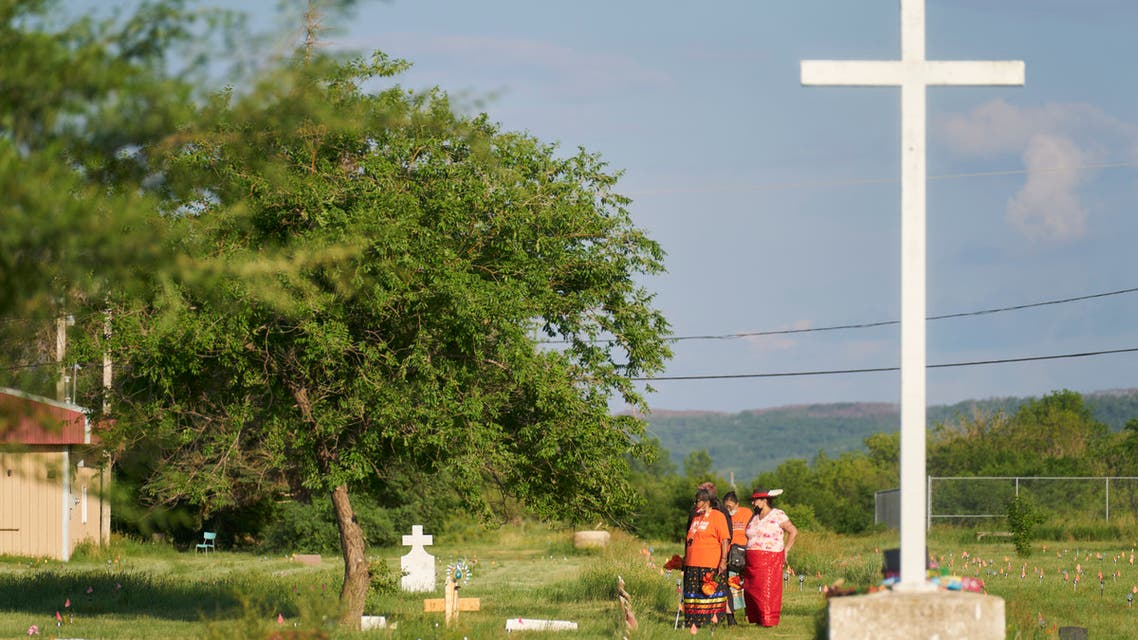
[(52, 485)]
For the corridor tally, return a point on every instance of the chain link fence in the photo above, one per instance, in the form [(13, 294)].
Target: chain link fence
[(973, 500)]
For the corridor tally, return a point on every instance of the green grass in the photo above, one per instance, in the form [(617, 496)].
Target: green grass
[(146, 590)]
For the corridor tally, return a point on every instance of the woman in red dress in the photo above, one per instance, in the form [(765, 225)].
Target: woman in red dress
[(770, 535)]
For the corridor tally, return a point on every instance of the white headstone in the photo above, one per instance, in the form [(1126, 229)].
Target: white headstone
[(367, 623), (913, 73), (418, 565)]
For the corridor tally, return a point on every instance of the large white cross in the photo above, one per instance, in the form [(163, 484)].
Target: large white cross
[(912, 73)]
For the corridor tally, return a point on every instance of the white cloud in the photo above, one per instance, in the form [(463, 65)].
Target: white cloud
[(1057, 143), (1048, 205)]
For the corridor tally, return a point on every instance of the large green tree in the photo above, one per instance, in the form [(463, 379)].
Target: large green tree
[(369, 276)]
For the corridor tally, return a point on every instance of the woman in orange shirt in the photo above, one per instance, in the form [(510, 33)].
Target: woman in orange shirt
[(740, 516), (705, 564)]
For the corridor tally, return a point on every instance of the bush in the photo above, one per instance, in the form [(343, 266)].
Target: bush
[(384, 582), (802, 516), (1023, 517), (298, 527)]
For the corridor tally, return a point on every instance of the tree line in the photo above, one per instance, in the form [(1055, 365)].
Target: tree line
[(1056, 435)]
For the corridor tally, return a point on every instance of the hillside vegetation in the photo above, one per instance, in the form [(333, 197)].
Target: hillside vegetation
[(749, 442)]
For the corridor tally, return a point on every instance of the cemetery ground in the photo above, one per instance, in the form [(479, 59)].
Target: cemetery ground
[(137, 590)]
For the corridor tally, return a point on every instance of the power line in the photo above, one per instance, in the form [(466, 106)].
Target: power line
[(868, 325), (855, 182), (865, 325), (972, 363)]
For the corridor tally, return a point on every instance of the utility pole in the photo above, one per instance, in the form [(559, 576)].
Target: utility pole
[(106, 362), (61, 324)]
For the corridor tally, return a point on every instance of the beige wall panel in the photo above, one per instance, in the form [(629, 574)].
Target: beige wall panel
[(31, 503)]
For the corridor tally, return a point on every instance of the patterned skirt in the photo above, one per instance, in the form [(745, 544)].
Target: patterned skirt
[(701, 608), (762, 586)]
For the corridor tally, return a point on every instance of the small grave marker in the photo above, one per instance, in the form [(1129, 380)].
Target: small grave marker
[(367, 623), (1072, 633), (591, 539), (450, 603), (531, 624), (418, 566)]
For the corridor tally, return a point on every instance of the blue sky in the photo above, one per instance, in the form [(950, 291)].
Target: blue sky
[(779, 205)]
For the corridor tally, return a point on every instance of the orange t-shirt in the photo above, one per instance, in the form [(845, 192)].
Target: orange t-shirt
[(739, 525), (706, 534)]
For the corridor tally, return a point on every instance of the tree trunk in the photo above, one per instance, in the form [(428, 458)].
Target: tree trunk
[(356, 577)]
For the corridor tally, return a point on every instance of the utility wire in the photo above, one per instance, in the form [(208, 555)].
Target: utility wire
[(868, 325), (946, 365), (854, 182)]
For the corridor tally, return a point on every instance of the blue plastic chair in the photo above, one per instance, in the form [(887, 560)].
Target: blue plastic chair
[(207, 543)]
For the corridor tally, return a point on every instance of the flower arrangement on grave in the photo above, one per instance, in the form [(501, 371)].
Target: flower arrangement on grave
[(459, 572)]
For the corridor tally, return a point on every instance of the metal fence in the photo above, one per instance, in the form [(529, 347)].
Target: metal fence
[(887, 508), (964, 499)]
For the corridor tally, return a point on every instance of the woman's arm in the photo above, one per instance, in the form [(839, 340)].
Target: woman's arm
[(791, 534)]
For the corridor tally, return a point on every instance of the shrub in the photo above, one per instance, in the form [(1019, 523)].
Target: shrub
[(802, 516), (385, 579), (1023, 517), (299, 527)]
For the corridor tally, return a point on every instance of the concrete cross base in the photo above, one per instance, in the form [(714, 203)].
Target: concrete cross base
[(917, 615)]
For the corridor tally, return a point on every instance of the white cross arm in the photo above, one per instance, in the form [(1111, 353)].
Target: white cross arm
[(893, 73)]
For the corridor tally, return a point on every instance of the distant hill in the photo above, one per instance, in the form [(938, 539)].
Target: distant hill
[(758, 440)]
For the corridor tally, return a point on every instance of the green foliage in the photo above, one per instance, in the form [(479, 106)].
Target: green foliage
[(299, 527), (1089, 532), (361, 276), (82, 99), (375, 296), (1023, 517), (751, 442), (1057, 435), (385, 579), (838, 491), (802, 515)]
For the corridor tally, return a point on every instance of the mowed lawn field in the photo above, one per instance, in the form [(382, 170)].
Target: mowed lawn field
[(136, 590)]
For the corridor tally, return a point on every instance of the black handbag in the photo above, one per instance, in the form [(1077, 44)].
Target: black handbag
[(736, 558)]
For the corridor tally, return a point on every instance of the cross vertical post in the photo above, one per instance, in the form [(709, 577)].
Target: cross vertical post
[(912, 73)]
